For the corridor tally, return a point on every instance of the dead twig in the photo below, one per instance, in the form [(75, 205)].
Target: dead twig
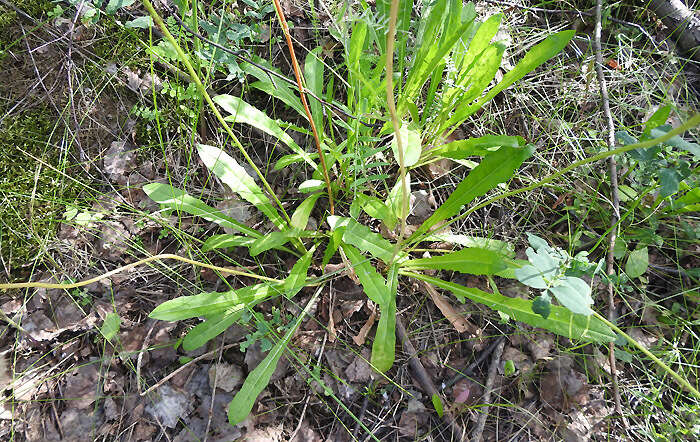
[(423, 377), (481, 423), (615, 198), (469, 371)]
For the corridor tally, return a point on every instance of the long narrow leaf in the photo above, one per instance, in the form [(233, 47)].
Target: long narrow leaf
[(474, 261), (461, 149), (209, 329), (539, 54), (235, 176), (257, 380), (242, 112), (173, 198), (212, 303), (495, 168), (297, 276), (372, 282), (384, 345), (560, 320), (313, 73)]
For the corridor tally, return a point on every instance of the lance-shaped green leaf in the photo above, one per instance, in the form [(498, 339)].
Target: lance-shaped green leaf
[(364, 239), (376, 208), (536, 56), (384, 345), (495, 168), (395, 199), (461, 149), (212, 327), (300, 217), (560, 320), (242, 112), (481, 242), (313, 74), (225, 241), (410, 144), (272, 240), (472, 260), (235, 176), (212, 303), (176, 199), (297, 276), (372, 282), (257, 380)]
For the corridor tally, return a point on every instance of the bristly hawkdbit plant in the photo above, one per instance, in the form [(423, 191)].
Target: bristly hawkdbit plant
[(443, 78), (450, 67)]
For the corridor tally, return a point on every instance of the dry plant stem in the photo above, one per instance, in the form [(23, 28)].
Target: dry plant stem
[(423, 377), (202, 90), (692, 122), (614, 219), (300, 85), (481, 423), (390, 40), (679, 379), (47, 285)]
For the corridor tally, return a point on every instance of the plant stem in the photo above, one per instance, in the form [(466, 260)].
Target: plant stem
[(390, 39), (202, 90), (692, 122), (683, 382), (300, 85), (47, 285)]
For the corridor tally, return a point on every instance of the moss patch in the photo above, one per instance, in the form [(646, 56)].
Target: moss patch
[(32, 195)]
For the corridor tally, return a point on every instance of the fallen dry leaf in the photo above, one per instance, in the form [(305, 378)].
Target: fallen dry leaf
[(458, 321), (359, 370), (521, 361), (563, 387), (413, 420), (362, 335), (119, 161), (169, 407), (225, 376), (82, 386)]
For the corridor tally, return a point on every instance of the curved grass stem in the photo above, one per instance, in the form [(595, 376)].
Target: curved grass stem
[(48, 285)]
